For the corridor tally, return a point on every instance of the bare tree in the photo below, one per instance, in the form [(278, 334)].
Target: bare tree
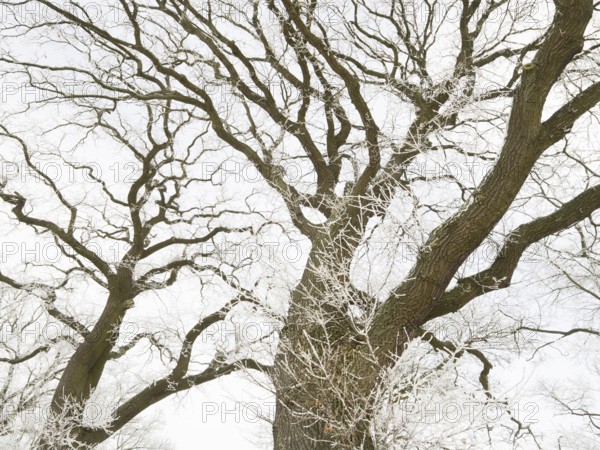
[(336, 109)]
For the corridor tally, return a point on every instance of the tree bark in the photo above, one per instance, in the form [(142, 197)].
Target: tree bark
[(323, 378), (293, 432)]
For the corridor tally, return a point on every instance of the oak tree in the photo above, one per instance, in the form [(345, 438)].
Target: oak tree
[(305, 123)]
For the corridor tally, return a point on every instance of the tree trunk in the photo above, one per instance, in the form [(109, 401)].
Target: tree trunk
[(293, 430), (84, 370), (290, 433), (323, 379), (330, 403)]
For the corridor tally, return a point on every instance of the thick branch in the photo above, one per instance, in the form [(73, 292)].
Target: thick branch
[(160, 390), (500, 273), (449, 245)]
